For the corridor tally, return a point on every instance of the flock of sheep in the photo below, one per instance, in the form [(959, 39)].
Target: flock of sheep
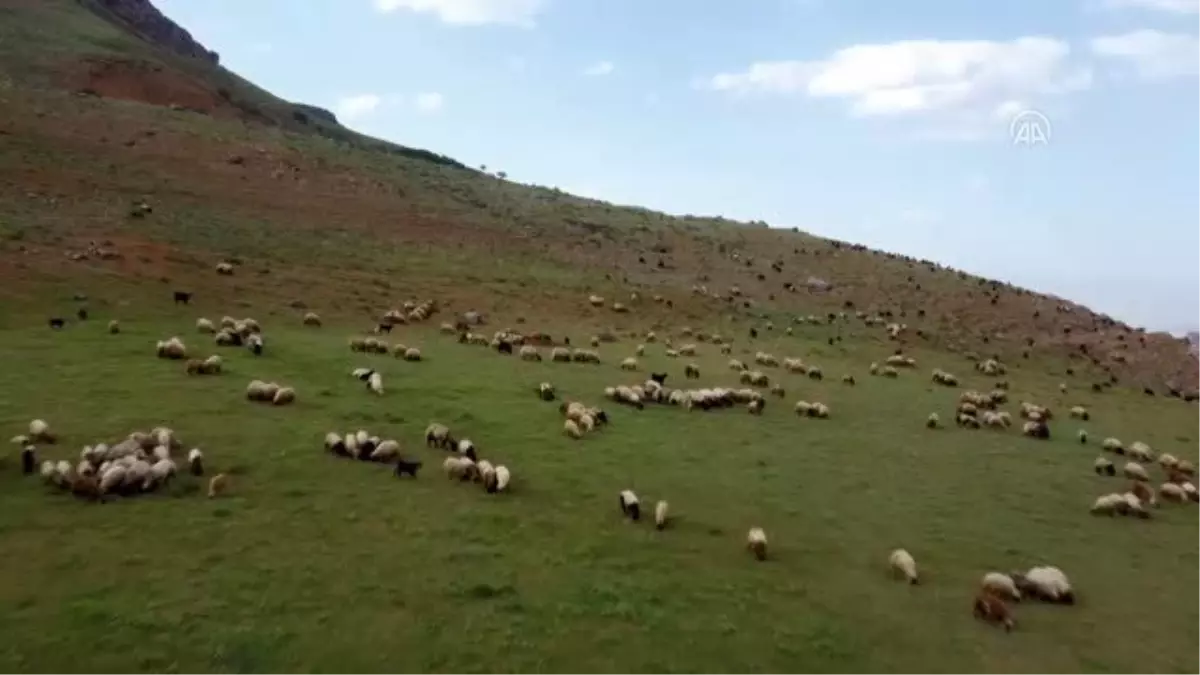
[(143, 461)]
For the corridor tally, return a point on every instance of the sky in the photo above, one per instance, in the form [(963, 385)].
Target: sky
[(1054, 144)]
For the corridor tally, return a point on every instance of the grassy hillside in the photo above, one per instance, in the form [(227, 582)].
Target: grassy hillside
[(318, 564)]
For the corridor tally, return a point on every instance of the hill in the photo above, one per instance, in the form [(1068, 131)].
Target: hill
[(132, 163)]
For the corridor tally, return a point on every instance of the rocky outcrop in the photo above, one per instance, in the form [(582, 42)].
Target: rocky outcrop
[(143, 18)]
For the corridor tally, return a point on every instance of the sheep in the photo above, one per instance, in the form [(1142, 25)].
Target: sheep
[(1001, 584), (284, 396), (406, 466), (902, 563), (1140, 452), (172, 348), (1167, 461), (385, 451), (39, 432), (255, 343), (848, 379), (218, 484), (114, 327), (1135, 471), (628, 502), (112, 479), (691, 371), (756, 542), (1133, 505), (943, 378), (195, 460), (467, 449), (888, 371), (412, 354), (933, 421), (529, 353), (205, 326), (572, 430), (1113, 445), (1104, 467), (1045, 583), (545, 391), (375, 383), (503, 477), (629, 364), (1079, 412), (1109, 504), (755, 406), (1173, 493), (1191, 492), (459, 468), (225, 268), (991, 608), (660, 514), (814, 373), (1036, 430), (28, 459), (257, 391), (438, 435)]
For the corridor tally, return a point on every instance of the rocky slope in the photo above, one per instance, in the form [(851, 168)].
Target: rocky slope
[(143, 19)]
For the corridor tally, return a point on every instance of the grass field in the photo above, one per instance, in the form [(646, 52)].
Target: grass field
[(317, 564)]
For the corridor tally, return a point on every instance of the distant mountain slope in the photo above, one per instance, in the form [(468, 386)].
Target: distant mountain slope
[(234, 170)]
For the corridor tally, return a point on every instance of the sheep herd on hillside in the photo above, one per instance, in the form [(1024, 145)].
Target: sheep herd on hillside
[(144, 462)]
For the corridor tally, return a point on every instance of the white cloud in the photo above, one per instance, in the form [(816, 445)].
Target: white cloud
[(1154, 54), (1171, 6), (430, 102), (599, 68), (471, 12), (917, 76), (356, 107)]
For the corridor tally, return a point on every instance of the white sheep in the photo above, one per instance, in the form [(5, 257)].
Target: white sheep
[(1172, 492), (1001, 584), (502, 478), (1135, 471), (1046, 583), (661, 514), (1104, 467), (284, 396), (195, 460), (902, 563), (375, 383), (1109, 504), (572, 430), (756, 542), (39, 432), (205, 326), (630, 363)]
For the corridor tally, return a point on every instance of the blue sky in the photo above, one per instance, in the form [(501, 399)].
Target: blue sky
[(884, 123)]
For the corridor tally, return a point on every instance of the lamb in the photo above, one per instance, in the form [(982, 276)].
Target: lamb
[(284, 396), (1000, 584), (1190, 491), (545, 391), (628, 502), (195, 460), (660, 514), (1045, 583), (375, 383), (933, 421), (756, 542), (1104, 467), (114, 327), (487, 475), (218, 484), (902, 563), (991, 608)]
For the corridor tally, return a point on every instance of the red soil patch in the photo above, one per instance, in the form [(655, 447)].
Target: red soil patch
[(145, 82)]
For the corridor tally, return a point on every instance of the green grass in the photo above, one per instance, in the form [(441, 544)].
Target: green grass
[(316, 564)]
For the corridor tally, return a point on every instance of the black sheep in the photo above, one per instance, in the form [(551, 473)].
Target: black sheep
[(407, 466), (182, 298), (660, 378), (82, 313), (504, 347), (28, 459), (57, 323)]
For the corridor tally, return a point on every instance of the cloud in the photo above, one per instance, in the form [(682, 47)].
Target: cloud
[(356, 107), (471, 12), (599, 68), (1170, 6), (430, 102), (918, 76), (1154, 54)]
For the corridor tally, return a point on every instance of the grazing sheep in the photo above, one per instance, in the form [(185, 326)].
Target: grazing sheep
[(205, 326), (545, 391), (755, 406), (114, 327), (1036, 430), (1001, 584), (1045, 583), (195, 460), (778, 390), (224, 268), (756, 542), (375, 383), (1191, 492), (902, 563), (848, 379), (503, 478), (39, 432), (991, 608), (459, 468), (217, 485), (1133, 505), (112, 478), (1109, 504), (172, 348), (311, 319), (1113, 445), (1104, 467), (1079, 412), (1140, 452), (1082, 435), (438, 436), (284, 396), (629, 364), (628, 502), (572, 430), (467, 449), (530, 353), (691, 371), (933, 421), (412, 354), (1135, 471), (407, 466), (385, 451), (255, 343), (660, 514), (1169, 491)]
